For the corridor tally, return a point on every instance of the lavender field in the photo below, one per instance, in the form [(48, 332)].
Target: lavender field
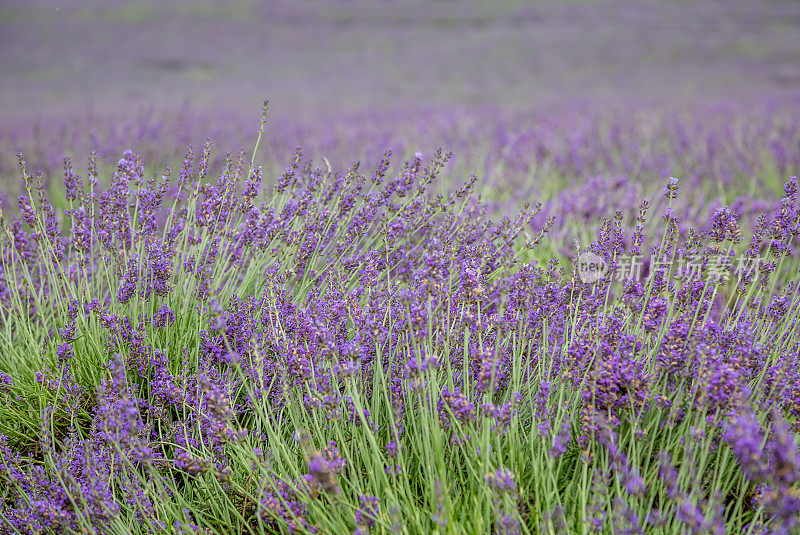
[(520, 267)]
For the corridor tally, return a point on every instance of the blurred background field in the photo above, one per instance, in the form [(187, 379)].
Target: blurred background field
[(315, 58)]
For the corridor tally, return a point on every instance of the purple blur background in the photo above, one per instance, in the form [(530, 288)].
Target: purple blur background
[(315, 59)]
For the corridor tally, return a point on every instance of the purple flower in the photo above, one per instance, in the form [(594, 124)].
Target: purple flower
[(72, 182), (453, 401), (324, 466), (671, 190), (163, 317), (784, 457), (744, 435), (561, 439), (368, 512), (502, 480)]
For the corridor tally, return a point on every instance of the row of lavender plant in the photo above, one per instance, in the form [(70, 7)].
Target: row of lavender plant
[(726, 154), (352, 353)]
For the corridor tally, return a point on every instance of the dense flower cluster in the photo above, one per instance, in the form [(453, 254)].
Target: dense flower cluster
[(182, 353)]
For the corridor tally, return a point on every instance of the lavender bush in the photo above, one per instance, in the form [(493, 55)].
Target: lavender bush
[(582, 163), (342, 350)]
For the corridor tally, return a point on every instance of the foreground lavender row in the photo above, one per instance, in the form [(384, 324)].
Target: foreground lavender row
[(354, 354)]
